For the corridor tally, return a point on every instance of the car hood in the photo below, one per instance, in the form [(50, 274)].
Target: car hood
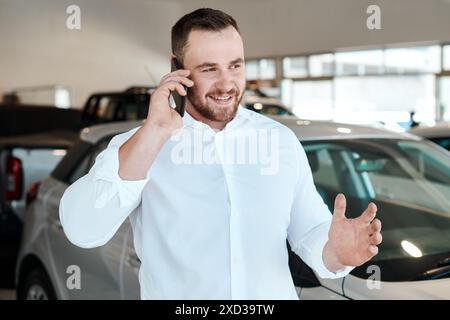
[(356, 288)]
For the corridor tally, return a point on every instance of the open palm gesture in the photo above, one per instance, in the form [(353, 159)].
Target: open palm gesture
[(354, 241)]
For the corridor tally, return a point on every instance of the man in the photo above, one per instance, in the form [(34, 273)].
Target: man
[(215, 229)]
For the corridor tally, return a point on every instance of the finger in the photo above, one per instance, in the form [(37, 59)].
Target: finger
[(369, 214), (177, 73), (376, 239), (172, 86), (375, 226), (183, 80), (340, 204), (372, 251)]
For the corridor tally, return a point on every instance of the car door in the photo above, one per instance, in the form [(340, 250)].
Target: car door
[(99, 267), (322, 162), (130, 264)]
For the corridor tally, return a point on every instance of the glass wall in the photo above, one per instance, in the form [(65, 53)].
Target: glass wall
[(262, 69), (444, 92), (446, 51), (369, 86)]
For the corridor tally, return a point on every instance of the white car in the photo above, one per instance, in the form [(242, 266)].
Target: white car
[(407, 177)]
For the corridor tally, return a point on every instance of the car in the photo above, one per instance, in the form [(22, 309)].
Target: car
[(18, 120), (104, 107), (24, 161), (439, 133), (32, 141), (266, 106), (407, 177), (100, 107)]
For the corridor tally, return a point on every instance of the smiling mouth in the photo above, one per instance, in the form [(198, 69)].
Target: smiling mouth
[(221, 100)]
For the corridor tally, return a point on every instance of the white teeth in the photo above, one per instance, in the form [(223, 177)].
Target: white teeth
[(222, 98)]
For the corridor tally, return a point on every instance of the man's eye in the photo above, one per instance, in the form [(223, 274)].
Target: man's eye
[(236, 66), (208, 70)]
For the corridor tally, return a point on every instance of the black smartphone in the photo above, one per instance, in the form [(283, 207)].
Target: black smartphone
[(180, 101)]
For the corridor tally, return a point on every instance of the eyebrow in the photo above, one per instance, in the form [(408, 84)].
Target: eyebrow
[(212, 64)]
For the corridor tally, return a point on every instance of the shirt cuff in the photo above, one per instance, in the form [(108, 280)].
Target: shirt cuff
[(315, 249), (106, 173)]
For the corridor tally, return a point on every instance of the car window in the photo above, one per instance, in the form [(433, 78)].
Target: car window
[(106, 108), (322, 167), (38, 163), (443, 142), (88, 161), (409, 181), (68, 164), (121, 108), (96, 151), (80, 170)]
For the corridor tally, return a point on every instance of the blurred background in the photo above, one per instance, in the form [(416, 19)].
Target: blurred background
[(318, 57)]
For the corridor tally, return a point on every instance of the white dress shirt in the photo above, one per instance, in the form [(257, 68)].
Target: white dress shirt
[(209, 229)]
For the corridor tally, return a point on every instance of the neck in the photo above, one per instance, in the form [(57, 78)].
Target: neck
[(215, 125)]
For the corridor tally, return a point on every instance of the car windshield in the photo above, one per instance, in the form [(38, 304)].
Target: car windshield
[(37, 163), (444, 142), (269, 109), (410, 183)]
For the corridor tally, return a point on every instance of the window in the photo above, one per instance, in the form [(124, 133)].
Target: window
[(359, 62), (444, 99), (88, 161), (409, 182), (99, 148), (443, 142), (321, 65), (309, 99), (387, 99), (80, 170), (295, 67), (252, 70), (263, 69), (267, 69), (322, 167), (446, 52), (382, 86), (418, 59)]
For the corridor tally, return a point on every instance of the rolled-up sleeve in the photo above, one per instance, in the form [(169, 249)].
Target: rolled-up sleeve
[(92, 209), (310, 220)]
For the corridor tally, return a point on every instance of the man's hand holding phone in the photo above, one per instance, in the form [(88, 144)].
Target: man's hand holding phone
[(160, 115), (138, 153)]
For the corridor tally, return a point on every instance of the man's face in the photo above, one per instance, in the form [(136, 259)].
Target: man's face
[(216, 61)]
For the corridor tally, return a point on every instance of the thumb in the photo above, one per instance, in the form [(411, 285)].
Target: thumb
[(340, 204)]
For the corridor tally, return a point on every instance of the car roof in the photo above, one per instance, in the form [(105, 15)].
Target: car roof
[(97, 132), (441, 129), (48, 139), (305, 130)]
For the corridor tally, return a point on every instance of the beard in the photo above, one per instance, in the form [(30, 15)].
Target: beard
[(206, 108)]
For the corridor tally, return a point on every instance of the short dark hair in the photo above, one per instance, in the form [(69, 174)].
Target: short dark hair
[(200, 19)]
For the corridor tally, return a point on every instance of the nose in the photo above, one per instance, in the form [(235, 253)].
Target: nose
[(225, 82)]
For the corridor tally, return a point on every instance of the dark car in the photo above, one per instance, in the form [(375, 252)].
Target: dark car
[(439, 134)]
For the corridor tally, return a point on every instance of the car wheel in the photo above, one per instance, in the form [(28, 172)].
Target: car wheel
[(37, 286)]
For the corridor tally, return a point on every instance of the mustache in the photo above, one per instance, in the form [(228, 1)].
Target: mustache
[(232, 92)]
